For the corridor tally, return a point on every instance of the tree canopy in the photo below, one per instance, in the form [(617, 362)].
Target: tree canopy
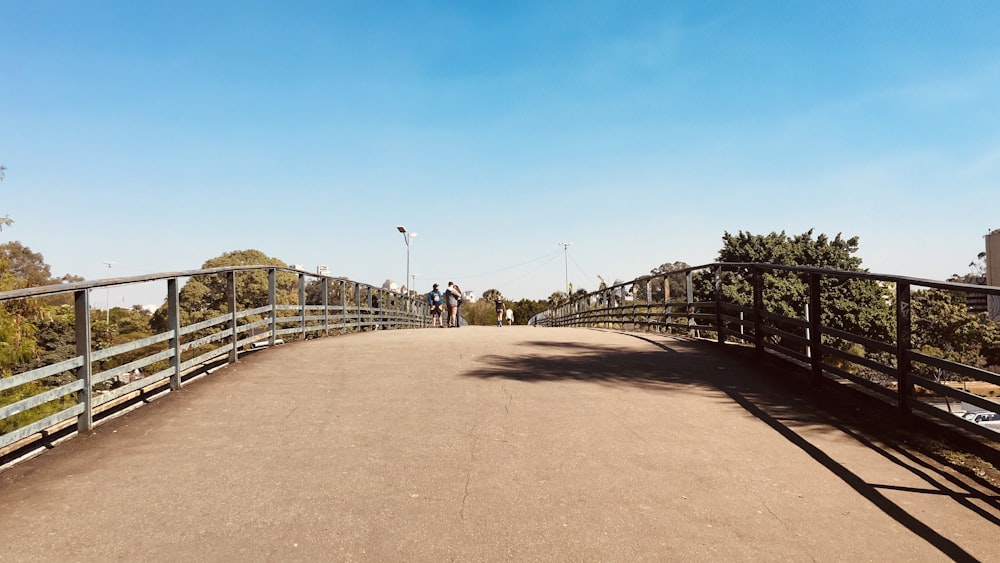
[(944, 327), (205, 297), (859, 306)]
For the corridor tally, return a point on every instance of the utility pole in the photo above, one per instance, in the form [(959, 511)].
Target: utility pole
[(407, 238), (566, 246), (107, 296)]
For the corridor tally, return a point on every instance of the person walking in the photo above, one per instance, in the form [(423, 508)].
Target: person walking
[(436, 301), (498, 302), (510, 317), (453, 298)]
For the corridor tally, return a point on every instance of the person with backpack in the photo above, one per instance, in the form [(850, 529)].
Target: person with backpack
[(498, 301), (436, 302)]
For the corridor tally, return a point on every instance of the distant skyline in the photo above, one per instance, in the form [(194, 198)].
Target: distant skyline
[(158, 135)]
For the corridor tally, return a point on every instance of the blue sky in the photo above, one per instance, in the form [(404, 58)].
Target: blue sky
[(158, 135)]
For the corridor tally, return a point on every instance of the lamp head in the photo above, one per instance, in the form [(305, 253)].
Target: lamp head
[(401, 229)]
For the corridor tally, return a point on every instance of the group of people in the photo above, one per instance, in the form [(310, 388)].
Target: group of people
[(452, 299), (502, 311)]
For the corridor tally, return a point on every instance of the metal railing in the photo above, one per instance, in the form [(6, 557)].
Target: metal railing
[(96, 378), (726, 302)]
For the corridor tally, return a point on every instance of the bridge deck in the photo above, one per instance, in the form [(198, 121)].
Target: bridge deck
[(484, 444)]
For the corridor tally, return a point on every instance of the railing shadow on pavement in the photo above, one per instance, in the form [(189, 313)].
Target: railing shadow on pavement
[(773, 393), (809, 317)]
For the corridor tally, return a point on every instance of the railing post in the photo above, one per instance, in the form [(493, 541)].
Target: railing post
[(372, 299), (272, 300), (718, 306), (689, 304), (666, 304), (343, 305), (326, 307), (302, 306), (357, 299), (815, 329), (81, 303), (640, 310), (174, 321), (758, 309), (903, 344), (621, 307), (234, 353)]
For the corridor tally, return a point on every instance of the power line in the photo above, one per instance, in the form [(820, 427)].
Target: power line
[(580, 268), (528, 273), (547, 257)]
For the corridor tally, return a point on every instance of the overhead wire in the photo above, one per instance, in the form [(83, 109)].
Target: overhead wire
[(581, 270), (546, 258)]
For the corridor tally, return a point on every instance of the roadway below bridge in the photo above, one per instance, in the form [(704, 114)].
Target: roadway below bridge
[(490, 444)]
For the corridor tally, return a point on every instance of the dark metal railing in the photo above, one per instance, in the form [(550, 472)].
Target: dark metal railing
[(726, 302), (95, 379)]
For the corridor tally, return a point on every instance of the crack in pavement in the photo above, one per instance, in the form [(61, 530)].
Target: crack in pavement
[(468, 470)]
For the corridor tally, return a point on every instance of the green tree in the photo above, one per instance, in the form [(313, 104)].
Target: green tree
[(854, 305), (491, 294), (30, 269), (28, 266), (668, 268), (673, 272), (479, 313), (557, 299), (524, 309), (314, 292), (19, 329), (942, 326), (862, 307), (205, 297)]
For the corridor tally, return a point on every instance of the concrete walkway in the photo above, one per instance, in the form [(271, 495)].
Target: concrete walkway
[(488, 444)]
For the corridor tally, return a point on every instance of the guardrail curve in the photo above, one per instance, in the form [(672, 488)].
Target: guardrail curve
[(726, 302), (94, 381)]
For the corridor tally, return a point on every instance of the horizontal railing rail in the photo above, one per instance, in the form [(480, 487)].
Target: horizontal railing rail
[(725, 302), (39, 404)]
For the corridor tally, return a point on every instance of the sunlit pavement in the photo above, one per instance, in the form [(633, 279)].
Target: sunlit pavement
[(488, 444)]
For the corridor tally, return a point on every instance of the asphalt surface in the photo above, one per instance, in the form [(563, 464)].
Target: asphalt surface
[(489, 444)]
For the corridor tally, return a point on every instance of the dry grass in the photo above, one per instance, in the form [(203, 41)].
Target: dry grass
[(981, 388)]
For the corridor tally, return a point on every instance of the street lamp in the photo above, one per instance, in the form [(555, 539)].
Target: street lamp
[(566, 246), (107, 298), (407, 238)]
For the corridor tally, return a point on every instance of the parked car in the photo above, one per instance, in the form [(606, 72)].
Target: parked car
[(988, 419), (982, 417)]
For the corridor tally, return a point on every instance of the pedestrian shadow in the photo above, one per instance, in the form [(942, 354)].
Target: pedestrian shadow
[(776, 395)]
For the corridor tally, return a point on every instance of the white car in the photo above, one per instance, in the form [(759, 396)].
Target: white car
[(979, 416), (988, 419)]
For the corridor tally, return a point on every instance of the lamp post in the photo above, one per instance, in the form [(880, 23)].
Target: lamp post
[(107, 296), (566, 246), (407, 238)]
